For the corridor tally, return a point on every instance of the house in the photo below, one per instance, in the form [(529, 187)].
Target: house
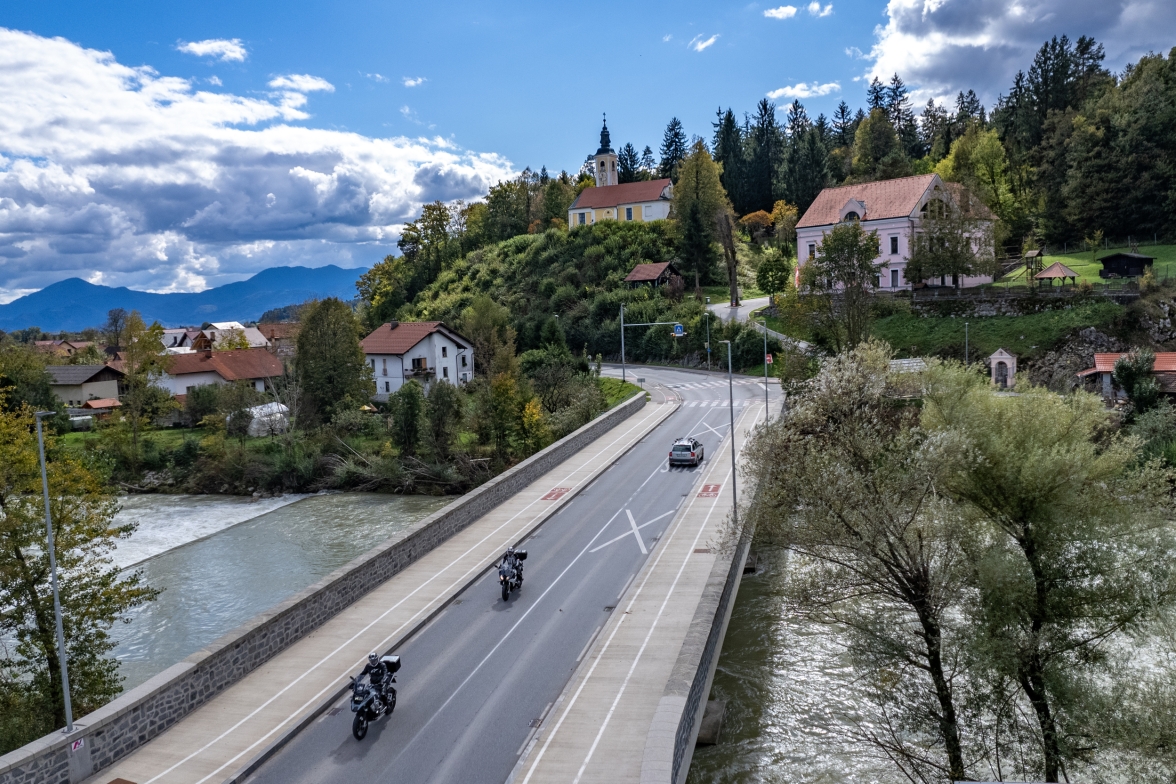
[(63, 347), (648, 200), (1164, 369), (255, 365), (1124, 265), (895, 210), (652, 274), (75, 384), (424, 350), (1003, 369), (283, 338), (217, 334)]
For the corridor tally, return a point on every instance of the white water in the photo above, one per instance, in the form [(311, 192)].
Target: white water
[(168, 521)]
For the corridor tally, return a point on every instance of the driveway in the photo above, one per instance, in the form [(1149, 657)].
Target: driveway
[(725, 312)]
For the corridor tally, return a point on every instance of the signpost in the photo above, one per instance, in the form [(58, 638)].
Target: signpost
[(679, 332)]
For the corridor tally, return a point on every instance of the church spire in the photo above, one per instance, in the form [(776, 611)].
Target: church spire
[(605, 143)]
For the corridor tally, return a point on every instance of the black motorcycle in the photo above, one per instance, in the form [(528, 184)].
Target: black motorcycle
[(510, 571), (366, 701)]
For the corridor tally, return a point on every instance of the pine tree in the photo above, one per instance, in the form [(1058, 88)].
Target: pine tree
[(843, 125), (934, 130), (673, 149), (798, 120), (648, 164), (728, 147), (544, 177), (821, 126), (898, 106), (764, 157), (628, 164), (876, 96)]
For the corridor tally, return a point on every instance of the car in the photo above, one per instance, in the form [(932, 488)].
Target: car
[(686, 451)]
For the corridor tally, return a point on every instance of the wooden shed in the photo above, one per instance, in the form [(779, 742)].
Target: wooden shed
[(1124, 265)]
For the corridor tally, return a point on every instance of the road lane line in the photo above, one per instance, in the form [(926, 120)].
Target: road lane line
[(591, 640), (629, 582), (636, 533)]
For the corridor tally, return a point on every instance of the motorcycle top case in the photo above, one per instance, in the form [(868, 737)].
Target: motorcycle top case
[(521, 554), (392, 662)]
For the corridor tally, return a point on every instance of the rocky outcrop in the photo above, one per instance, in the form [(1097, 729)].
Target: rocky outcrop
[(1058, 369)]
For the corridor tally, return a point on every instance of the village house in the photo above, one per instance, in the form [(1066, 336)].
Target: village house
[(648, 200), (895, 210), (657, 274), (254, 365), (73, 385), (1164, 369), (424, 350), (66, 348), (283, 338)]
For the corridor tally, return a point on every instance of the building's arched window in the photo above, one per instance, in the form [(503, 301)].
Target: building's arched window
[(851, 216)]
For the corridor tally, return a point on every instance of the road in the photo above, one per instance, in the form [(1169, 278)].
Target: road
[(725, 312), (481, 675)]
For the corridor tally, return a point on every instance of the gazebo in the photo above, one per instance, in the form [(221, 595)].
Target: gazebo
[(1055, 271)]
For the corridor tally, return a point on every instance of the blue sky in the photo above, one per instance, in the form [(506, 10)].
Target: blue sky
[(177, 146)]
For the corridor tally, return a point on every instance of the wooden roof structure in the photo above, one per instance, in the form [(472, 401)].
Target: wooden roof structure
[(1056, 271)]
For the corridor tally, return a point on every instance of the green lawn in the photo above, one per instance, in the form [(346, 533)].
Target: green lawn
[(1025, 336), (722, 293), (617, 391), (1088, 269), (167, 438)]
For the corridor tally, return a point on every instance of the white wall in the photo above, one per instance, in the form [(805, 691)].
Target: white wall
[(441, 355)]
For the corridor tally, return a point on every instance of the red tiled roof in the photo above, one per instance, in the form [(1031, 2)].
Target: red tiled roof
[(612, 195), (1056, 270), (279, 331), (398, 337), (883, 199), (1105, 363), (105, 402), (646, 272), (232, 365)]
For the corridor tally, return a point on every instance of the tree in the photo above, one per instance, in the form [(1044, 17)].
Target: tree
[(952, 240), (628, 164), (648, 164), (1134, 375), (333, 374), (487, 325), (1076, 541), (233, 403), (94, 592), (116, 322), (877, 151), (728, 146), (876, 95), (24, 379), (443, 416), (851, 486), (508, 209), (201, 401), (384, 289), (725, 230), (144, 358), (772, 276), (843, 273), (765, 154), (843, 126), (806, 171), (698, 200), (407, 406), (673, 150), (785, 216), (757, 224)]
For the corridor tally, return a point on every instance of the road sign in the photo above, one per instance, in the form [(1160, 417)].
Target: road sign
[(709, 491), (768, 359), (679, 330)]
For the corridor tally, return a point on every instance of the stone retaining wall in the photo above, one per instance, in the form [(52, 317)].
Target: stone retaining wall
[(146, 711)]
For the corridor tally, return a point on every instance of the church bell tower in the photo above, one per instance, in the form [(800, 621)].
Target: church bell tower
[(606, 160)]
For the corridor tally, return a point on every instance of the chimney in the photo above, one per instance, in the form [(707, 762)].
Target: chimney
[(393, 325)]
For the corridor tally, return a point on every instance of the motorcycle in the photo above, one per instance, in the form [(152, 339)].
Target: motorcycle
[(510, 572), (366, 701)]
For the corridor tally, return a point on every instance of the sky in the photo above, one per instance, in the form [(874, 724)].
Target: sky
[(178, 146)]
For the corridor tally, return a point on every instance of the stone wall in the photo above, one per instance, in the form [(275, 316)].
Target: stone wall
[(143, 713), (1021, 304)]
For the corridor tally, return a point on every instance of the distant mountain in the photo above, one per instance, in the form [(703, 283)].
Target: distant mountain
[(74, 304)]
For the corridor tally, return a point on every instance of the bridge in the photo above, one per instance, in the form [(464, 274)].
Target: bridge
[(597, 670)]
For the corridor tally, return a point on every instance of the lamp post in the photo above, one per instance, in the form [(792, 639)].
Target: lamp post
[(622, 342), (53, 577), (708, 366), (731, 399), (966, 344), (765, 324)]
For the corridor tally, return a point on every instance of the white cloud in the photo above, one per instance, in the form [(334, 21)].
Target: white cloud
[(160, 185), (215, 81), (301, 83), (414, 82), (855, 53), (375, 77), (223, 49), (698, 43), (943, 46), (815, 9), (666, 38), (803, 90), (783, 12)]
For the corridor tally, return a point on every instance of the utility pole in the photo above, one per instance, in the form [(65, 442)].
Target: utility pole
[(622, 342), (731, 400), (708, 366), (765, 323), (966, 343), (53, 578)]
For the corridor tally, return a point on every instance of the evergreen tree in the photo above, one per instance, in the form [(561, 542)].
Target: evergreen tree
[(699, 199), (728, 147), (843, 125), (332, 371), (898, 107), (765, 157), (544, 177), (876, 95), (934, 130), (648, 164), (628, 164), (673, 150), (823, 129), (806, 170), (798, 120)]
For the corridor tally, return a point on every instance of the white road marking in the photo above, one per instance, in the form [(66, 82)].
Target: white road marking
[(632, 532)]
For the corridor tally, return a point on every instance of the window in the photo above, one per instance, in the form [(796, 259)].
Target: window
[(894, 246), (582, 216), (628, 213), (387, 386), (852, 216), (893, 278), (445, 372), (418, 363), (444, 351), (812, 249), (463, 360), (614, 165), (385, 365), (648, 211)]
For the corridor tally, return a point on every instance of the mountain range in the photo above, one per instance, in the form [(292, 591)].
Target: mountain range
[(74, 304)]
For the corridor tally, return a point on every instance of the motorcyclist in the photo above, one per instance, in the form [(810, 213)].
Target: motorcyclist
[(378, 675), (511, 559)]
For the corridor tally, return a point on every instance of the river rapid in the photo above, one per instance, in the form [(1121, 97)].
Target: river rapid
[(220, 561)]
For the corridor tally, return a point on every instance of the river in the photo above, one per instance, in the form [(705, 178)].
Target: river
[(220, 561)]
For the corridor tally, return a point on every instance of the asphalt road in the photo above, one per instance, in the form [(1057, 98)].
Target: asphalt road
[(477, 680)]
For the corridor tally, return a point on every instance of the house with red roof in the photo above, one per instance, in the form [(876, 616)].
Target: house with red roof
[(1163, 369), (648, 200), (425, 350), (895, 210), (254, 365)]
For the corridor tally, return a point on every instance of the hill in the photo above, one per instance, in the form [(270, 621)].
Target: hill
[(74, 304)]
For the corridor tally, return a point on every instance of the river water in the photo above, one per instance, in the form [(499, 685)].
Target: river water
[(220, 561), (791, 698)]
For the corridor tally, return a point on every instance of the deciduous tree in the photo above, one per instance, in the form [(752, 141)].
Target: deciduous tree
[(332, 372)]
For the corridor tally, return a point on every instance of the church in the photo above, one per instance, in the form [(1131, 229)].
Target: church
[(648, 200)]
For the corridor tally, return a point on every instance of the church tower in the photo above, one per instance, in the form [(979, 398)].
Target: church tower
[(606, 160)]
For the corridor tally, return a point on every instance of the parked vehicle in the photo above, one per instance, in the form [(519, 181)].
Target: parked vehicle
[(510, 571), (686, 451), (369, 701)]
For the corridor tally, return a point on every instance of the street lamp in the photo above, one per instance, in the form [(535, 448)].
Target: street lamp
[(53, 578), (731, 399), (765, 325), (708, 367)]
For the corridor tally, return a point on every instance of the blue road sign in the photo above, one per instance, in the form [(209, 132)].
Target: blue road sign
[(679, 330)]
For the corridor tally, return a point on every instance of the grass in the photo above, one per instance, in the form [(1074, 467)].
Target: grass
[(722, 293), (1026, 336), (617, 391), (1088, 269), (165, 438)]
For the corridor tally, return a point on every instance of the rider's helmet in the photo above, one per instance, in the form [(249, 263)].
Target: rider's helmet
[(373, 658)]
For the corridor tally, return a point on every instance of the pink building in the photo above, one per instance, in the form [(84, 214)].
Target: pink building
[(894, 209)]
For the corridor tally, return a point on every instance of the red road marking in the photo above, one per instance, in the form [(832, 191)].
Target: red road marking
[(556, 493), (709, 491)]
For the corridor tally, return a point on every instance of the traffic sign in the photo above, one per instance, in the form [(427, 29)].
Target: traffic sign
[(679, 330), (768, 359)]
